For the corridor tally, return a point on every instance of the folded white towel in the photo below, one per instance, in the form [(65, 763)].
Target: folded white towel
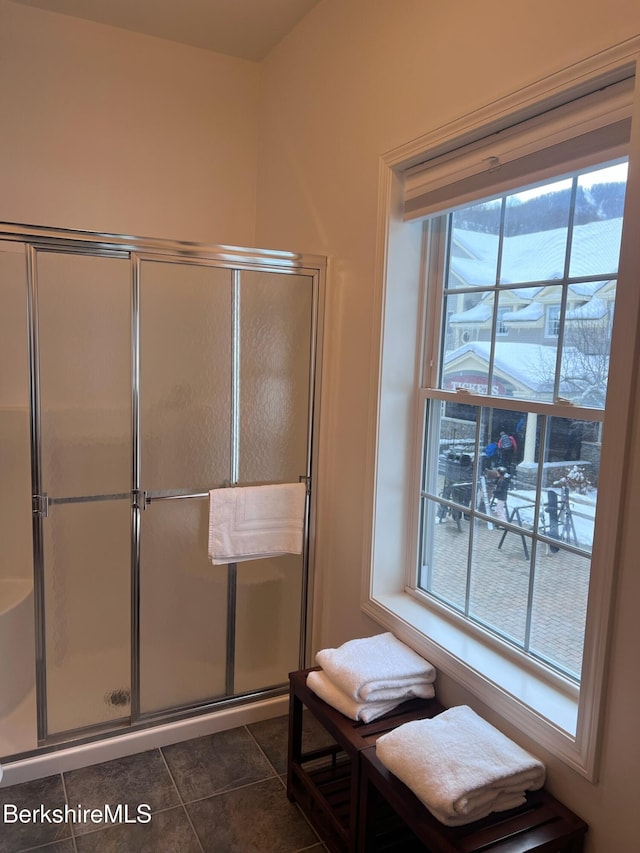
[(323, 687), (460, 766), (332, 695), (375, 668), (249, 522)]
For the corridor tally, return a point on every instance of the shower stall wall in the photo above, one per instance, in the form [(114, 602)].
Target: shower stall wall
[(143, 374)]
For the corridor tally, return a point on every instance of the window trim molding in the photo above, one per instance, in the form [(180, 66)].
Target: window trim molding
[(384, 597)]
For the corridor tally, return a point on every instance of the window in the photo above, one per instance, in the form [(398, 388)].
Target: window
[(509, 495), (552, 321), (496, 231)]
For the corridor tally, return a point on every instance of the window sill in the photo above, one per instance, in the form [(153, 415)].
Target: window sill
[(543, 708)]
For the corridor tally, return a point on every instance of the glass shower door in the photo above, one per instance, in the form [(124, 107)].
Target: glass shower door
[(274, 354), (225, 360), (156, 380), (83, 416), (185, 322)]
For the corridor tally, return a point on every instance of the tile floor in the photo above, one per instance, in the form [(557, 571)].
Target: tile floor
[(222, 793)]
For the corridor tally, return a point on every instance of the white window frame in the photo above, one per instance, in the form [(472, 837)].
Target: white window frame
[(545, 709), (552, 321)]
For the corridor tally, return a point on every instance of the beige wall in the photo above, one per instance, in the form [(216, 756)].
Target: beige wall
[(354, 80), (107, 130)]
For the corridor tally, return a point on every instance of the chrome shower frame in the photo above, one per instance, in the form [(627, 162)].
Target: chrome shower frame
[(137, 250)]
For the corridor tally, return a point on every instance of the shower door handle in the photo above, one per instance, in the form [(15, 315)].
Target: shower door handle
[(40, 505), (139, 499)]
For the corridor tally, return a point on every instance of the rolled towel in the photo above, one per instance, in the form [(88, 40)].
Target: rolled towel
[(375, 668), (460, 766), (366, 711)]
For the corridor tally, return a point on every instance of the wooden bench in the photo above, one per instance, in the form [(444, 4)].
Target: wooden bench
[(358, 806), (392, 818), (325, 782)]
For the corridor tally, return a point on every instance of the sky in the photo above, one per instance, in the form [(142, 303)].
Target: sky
[(610, 174)]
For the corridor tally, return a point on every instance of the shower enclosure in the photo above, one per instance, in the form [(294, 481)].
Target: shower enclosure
[(135, 376)]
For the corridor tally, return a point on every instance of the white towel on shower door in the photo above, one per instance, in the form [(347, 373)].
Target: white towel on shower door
[(250, 522)]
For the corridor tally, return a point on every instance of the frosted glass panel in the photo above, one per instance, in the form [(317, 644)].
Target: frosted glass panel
[(275, 334), (15, 458), (17, 654), (87, 603), (14, 368), (85, 374), (84, 309), (185, 376), (183, 608), (267, 621)]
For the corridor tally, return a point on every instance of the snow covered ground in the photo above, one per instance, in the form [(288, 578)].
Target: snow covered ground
[(575, 526)]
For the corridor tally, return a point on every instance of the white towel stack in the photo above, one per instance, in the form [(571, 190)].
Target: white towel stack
[(365, 678), (460, 766)]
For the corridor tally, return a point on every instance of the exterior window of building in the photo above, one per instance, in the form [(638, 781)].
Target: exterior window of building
[(509, 491), (552, 321)]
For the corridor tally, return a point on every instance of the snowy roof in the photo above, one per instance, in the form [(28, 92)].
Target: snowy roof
[(587, 288), (594, 309), (539, 256), (599, 240), (530, 368), (477, 243), (530, 313), (524, 364), (480, 313)]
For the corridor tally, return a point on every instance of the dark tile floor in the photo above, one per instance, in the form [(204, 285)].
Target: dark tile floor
[(222, 793)]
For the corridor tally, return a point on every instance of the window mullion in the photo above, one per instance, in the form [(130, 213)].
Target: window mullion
[(563, 299), (437, 235), (496, 295)]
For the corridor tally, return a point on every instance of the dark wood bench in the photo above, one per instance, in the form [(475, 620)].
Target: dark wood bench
[(392, 818), (356, 804), (325, 781)]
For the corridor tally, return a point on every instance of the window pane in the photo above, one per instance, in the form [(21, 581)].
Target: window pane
[(445, 548), (598, 221), (500, 581), (454, 425), (535, 234), (570, 480), (473, 254), (467, 342), (559, 608), (584, 371)]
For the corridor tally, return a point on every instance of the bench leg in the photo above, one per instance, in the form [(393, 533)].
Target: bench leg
[(294, 748)]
